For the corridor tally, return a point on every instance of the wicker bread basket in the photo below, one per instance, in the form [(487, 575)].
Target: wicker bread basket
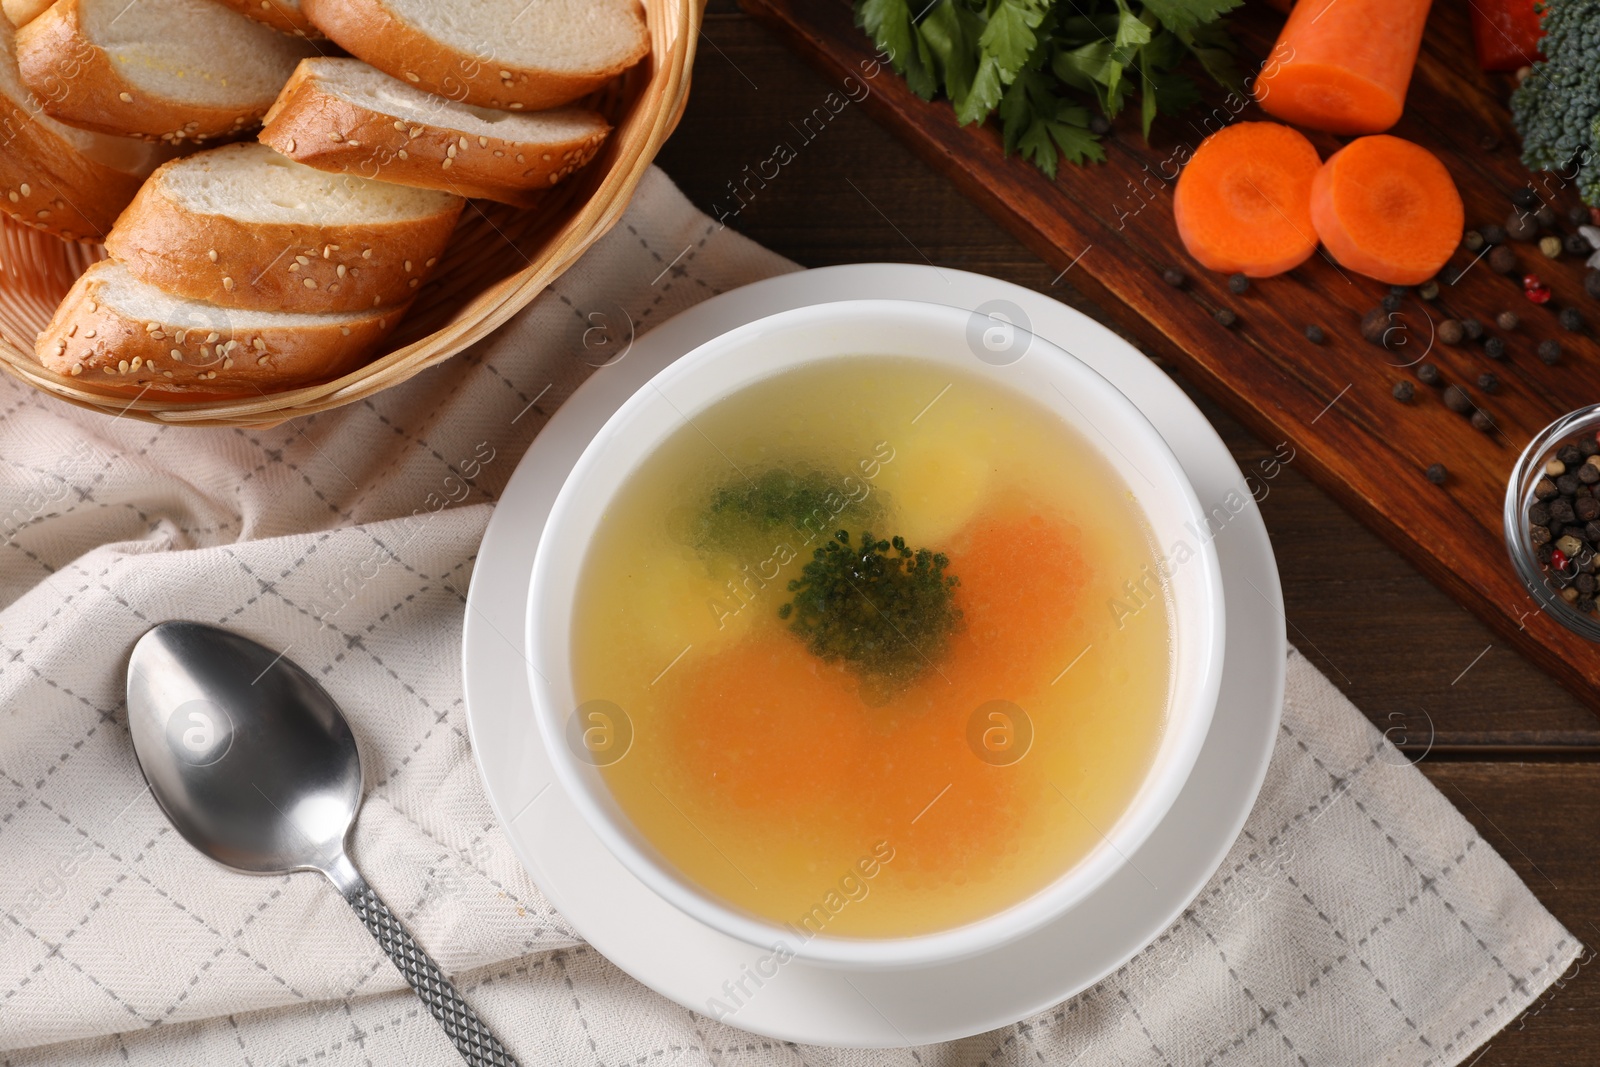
[(499, 259)]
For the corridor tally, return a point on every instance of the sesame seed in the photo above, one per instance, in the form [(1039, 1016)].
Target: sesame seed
[(212, 255), (483, 142), (448, 163), (166, 374), (464, 143), (109, 370), (408, 266), (61, 346), (367, 254), (13, 197), (126, 98), (77, 369), (410, 77), (151, 327), (520, 158), (262, 362), (404, 154), (289, 144), (450, 152), (137, 363), (376, 301), (259, 345), (415, 282), (93, 307), (499, 154), (399, 125), (302, 260), (516, 106), (177, 355), (90, 334), (158, 336), (341, 271), (122, 366), (213, 338), (327, 251), (42, 213), (345, 330), (505, 75), (545, 157), (431, 262), (555, 178), (416, 131), (227, 283), (335, 137), (180, 336), (26, 189), (294, 268), (310, 283), (227, 364), (334, 288)]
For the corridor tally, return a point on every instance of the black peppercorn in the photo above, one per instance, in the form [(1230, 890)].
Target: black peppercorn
[(1315, 334), (1507, 320), (1544, 489), (1428, 374), (1482, 422), (1494, 348), (1546, 217), (1472, 328), (1586, 507), (1488, 382), (1521, 226), (1450, 332), (1539, 535), (1588, 473), (1174, 277), (1437, 474), (1238, 284), (1503, 260), (1562, 511), (1567, 485), (1492, 234), (1391, 302), (1569, 454), (1099, 126), (1544, 553), (1526, 197), (1584, 604), (1588, 446), (1571, 319), (1550, 351), (1586, 583), (1457, 400), (1375, 326), (1539, 513), (1403, 391), (1577, 245), (1225, 317), (1591, 283)]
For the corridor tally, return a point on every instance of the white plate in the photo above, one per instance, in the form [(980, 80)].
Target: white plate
[(697, 966)]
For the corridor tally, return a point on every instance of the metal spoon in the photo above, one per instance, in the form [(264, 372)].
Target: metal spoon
[(257, 768)]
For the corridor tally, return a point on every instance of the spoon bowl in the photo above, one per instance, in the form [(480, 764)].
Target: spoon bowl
[(257, 768)]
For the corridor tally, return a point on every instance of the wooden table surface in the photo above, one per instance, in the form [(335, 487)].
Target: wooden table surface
[(1515, 752)]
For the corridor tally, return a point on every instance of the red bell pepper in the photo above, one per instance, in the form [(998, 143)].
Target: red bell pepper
[(1507, 32)]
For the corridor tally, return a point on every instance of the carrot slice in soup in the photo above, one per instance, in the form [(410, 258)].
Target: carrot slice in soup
[(1388, 209), (1243, 203)]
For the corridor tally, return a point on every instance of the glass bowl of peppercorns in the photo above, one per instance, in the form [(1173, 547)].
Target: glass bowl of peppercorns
[(1552, 520)]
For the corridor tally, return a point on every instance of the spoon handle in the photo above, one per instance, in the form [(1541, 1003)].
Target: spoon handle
[(472, 1039)]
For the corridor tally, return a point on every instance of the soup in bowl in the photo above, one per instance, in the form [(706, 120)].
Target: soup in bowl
[(876, 633)]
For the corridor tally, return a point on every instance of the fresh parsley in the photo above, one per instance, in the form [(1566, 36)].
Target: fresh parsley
[(1040, 64)]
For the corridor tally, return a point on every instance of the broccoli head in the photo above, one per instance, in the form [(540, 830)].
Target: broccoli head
[(1557, 107)]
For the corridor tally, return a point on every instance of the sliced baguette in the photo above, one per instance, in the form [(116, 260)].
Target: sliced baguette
[(242, 227), (22, 12), (284, 16), (169, 70), (115, 332), (55, 178), (343, 115), (513, 54)]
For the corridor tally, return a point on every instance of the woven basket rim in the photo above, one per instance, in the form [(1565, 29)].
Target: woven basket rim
[(674, 30)]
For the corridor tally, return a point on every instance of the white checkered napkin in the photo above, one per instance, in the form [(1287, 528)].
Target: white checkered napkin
[(1359, 919)]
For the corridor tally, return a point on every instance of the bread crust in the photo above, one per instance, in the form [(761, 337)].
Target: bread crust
[(103, 349), (47, 184), (371, 30), (22, 12), (266, 266), (278, 15), (319, 129), (76, 82)]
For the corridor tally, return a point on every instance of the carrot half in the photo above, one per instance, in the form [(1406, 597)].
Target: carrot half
[(1243, 204), (1343, 65), (1387, 208)]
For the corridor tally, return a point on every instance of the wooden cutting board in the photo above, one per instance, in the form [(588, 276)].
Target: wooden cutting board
[(1109, 229)]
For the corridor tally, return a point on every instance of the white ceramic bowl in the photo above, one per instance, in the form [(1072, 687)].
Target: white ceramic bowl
[(987, 345)]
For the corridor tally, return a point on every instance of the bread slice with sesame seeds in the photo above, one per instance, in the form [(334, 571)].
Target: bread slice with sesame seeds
[(241, 226), (343, 115), (169, 70), (284, 16), (56, 178), (115, 332), (521, 55)]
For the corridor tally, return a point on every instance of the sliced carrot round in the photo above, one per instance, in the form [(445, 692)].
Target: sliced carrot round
[(1387, 208), (1243, 203)]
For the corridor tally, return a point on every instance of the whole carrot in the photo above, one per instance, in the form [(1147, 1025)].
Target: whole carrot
[(1343, 65)]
